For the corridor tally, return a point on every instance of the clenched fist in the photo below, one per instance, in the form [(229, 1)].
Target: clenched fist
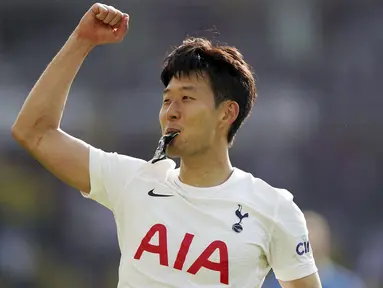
[(102, 24)]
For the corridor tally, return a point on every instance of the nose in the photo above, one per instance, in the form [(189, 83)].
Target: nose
[(173, 111)]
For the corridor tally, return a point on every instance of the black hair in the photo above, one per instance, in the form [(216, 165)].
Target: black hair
[(230, 76)]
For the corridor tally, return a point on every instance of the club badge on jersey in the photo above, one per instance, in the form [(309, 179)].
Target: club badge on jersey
[(163, 144)]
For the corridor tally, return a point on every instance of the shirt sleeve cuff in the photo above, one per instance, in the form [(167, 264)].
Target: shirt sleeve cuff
[(97, 189)]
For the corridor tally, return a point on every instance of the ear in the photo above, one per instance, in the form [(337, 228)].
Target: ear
[(230, 111)]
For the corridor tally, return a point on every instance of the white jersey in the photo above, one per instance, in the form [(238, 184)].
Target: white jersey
[(174, 235)]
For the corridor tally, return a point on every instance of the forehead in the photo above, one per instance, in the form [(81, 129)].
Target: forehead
[(193, 82)]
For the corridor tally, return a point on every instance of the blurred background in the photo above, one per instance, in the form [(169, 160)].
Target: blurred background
[(316, 128)]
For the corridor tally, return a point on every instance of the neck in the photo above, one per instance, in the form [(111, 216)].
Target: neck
[(207, 169)]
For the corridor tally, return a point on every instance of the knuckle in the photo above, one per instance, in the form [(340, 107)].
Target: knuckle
[(111, 9), (111, 14), (117, 18), (100, 7)]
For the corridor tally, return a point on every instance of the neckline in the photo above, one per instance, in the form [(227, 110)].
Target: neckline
[(200, 191)]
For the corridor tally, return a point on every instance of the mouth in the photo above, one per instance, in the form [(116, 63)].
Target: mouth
[(171, 131), (161, 151), (170, 135)]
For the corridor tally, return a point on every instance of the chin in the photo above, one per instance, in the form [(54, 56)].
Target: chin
[(173, 152)]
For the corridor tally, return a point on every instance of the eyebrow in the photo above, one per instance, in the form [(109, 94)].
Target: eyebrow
[(182, 88)]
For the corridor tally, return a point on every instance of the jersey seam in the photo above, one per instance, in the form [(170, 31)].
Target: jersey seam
[(274, 220)]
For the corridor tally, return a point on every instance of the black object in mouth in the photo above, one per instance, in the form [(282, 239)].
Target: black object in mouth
[(163, 144)]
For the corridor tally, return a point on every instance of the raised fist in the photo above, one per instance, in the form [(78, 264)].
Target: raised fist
[(102, 24)]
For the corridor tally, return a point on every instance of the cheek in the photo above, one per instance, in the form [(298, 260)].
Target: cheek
[(161, 117), (203, 123)]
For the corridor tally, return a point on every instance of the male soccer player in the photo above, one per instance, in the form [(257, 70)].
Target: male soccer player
[(205, 224)]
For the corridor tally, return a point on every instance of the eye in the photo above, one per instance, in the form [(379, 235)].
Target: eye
[(186, 98), (166, 101)]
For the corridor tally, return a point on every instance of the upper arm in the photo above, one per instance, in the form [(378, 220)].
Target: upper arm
[(64, 156), (311, 281), (290, 254), (99, 175)]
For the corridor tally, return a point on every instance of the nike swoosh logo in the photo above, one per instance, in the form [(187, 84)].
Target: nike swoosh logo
[(151, 193)]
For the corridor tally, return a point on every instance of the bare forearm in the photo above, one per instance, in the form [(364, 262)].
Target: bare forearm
[(45, 103), (37, 127), (311, 281)]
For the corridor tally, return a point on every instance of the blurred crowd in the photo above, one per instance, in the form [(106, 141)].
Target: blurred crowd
[(316, 129)]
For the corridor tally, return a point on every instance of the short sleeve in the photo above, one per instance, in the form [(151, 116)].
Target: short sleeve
[(290, 254), (109, 175)]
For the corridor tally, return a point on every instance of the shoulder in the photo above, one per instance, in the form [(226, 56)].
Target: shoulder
[(277, 203), (262, 191), (120, 165), (157, 170)]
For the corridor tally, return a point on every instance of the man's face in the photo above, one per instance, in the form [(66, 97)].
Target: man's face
[(188, 106)]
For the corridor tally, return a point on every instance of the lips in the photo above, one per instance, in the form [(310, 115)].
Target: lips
[(172, 130)]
